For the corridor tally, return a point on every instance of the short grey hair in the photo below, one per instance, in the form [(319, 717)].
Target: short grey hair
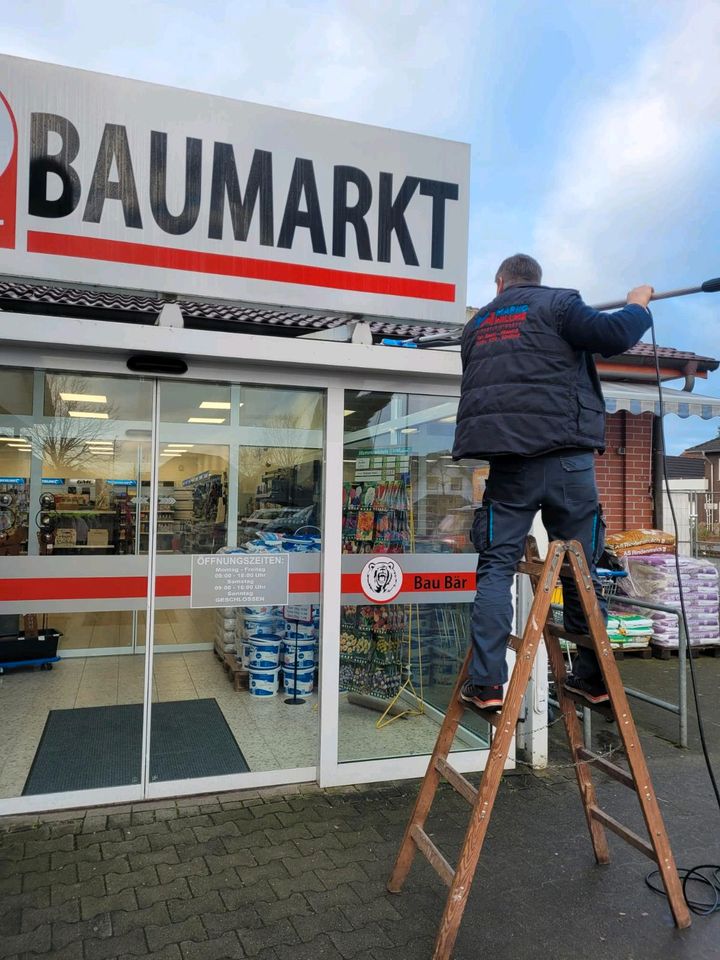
[(520, 268)]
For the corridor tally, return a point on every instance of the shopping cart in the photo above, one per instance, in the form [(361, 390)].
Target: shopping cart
[(610, 580)]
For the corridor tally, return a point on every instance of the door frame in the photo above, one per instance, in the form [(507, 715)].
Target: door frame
[(50, 343)]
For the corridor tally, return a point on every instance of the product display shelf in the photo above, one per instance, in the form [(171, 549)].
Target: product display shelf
[(84, 526), (206, 532), (165, 520), (373, 641)]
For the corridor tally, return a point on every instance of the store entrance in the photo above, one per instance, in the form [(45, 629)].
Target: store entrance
[(120, 677), (239, 480)]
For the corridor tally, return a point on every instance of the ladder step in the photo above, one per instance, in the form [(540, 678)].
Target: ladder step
[(456, 780), (514, 642), (604, 709), (608, 768), (629, 836), (490, 716), (535, 568), (432, 854), (579, 639)]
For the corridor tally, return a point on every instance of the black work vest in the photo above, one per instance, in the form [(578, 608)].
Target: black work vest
[(526, 390)]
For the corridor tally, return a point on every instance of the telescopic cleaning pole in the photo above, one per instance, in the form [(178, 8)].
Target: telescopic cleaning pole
[(446, 340), (708, 286)]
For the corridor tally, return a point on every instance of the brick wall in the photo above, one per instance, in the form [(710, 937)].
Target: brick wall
[(625, 480)]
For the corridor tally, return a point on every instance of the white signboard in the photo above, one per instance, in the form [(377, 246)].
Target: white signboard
[(126, 184), (234, 579)]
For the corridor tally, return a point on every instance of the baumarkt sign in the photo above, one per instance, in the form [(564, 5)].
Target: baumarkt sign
[(128, 184)]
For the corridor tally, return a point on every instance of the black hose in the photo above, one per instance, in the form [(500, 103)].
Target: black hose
[(711, 877)]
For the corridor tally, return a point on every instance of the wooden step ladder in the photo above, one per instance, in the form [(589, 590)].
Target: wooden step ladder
[(570, 558)]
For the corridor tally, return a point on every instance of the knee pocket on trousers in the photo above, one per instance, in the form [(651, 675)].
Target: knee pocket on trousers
[(481, 530)]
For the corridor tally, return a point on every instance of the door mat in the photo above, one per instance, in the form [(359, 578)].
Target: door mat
[(92, 747)]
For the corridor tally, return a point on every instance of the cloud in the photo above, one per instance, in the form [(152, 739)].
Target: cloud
[(402, 64), (634, 171)]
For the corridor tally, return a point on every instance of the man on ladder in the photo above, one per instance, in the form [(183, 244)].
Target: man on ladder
[(532, 405)]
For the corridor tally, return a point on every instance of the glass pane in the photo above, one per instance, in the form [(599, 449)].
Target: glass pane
[(16, 391), (403, 495), (243, 475), (67, 539)]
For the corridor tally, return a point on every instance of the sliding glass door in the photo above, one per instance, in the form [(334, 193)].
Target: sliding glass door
[(74, 453), (239, 493)]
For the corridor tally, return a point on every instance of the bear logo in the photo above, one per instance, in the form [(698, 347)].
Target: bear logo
[(381, 579)]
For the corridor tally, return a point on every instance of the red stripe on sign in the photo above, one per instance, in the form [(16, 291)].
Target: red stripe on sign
[(220, 264), (91, 588), (304, 583), (127, 588), (350, 583), (177, 586), (70, 588), (437, 582), (419, 583)]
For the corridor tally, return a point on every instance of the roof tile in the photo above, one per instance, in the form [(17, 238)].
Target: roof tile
[(144, 308)]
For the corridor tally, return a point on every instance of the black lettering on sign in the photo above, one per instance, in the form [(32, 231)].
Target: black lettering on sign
[(114, 147), (303, 182), (426, 583), (391, 218), (344, 213), (456, 583), (43, 164), (184, 221), (259, 184), (440, 192)]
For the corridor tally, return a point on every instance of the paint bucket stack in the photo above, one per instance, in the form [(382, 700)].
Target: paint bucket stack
[(262, 636)]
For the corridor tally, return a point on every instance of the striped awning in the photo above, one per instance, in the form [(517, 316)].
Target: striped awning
[(643, 398)]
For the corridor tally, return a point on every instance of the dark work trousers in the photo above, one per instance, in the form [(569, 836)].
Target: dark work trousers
[(562, 486)]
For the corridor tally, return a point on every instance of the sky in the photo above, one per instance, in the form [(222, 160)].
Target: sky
[(594, 127)]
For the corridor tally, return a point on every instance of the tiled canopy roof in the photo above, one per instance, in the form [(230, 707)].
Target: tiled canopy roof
[(139, 308), (670, 353)]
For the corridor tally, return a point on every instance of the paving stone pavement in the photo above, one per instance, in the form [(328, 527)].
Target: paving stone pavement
[(298, 873)]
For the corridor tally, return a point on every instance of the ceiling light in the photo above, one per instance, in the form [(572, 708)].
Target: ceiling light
[(451, 419), (100, 443), (215, 405), (346, 413), (409, 430), (10, 439), (18, 442), (446, 456), (427, 460), (21, 448), (84, 397), (206, 419), (83, 414), (170, 454), (179, 446)]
